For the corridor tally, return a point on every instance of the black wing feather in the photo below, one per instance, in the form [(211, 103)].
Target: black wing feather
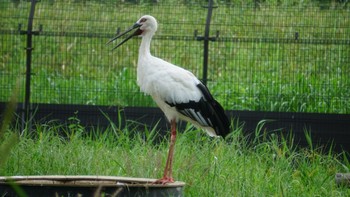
[(207, 112)]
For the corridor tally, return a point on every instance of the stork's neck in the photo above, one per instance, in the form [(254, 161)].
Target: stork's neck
[(144, 62), (144, 49)]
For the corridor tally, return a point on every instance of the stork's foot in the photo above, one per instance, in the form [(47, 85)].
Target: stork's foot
[(164, 181)]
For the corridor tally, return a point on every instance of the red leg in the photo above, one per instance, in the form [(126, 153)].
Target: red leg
[(168, 171)]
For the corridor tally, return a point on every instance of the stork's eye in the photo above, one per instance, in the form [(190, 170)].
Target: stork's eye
[(143, 20)]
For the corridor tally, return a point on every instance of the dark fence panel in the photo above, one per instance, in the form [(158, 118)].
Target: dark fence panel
[(326, 130)]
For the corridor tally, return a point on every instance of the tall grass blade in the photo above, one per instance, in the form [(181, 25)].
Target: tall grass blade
[(308, 138), (19, 191), (113, 124), (6, 143), (260, 132)]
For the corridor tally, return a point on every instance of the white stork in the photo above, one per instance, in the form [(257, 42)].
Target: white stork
[(178, 93)]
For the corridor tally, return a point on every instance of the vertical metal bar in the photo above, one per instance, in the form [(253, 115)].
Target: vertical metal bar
[(29, 48), (206, 43)]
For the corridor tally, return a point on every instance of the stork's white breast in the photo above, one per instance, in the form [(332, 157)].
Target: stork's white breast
[(167, 81)]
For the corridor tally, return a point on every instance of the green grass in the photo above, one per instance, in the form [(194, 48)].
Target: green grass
[(255, 64), (266, 166)]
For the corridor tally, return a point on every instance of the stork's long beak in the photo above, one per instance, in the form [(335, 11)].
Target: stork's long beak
[(136, 33)]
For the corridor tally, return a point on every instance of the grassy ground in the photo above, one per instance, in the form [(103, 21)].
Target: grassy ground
[(269, 166), (266, 165), (256, 63)]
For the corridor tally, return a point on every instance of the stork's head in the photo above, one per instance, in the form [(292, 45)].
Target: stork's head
[(146, 25)]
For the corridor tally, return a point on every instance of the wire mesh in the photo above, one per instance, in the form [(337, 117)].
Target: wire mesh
[(12, 58), (284, 59), (269, 58)]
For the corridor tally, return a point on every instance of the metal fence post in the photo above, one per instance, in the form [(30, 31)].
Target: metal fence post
[(206, 40), (26, 113)]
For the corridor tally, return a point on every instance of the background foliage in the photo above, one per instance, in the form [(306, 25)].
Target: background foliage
[(269, 55)]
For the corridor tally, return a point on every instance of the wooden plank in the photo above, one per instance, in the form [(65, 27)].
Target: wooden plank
[(86, 180), (66, 185)]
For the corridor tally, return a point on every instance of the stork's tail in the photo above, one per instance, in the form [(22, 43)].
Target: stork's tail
[(206, 113), (216, 113)]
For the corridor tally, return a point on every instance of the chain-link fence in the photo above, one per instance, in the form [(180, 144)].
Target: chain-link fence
[(261, 57)]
